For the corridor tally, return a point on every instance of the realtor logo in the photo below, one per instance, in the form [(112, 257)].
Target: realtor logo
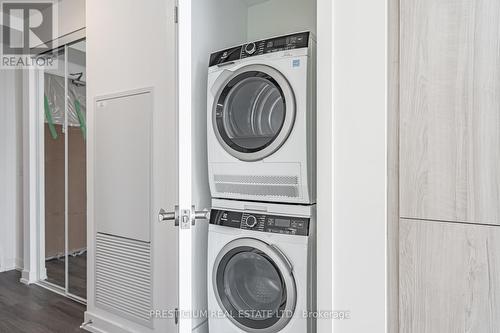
[(27, 28)]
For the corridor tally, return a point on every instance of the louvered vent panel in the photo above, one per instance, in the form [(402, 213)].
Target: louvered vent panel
[(278, 186), (251, 179), (123, 277)]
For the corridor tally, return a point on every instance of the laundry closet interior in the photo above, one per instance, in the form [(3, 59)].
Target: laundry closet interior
[(219, 25)]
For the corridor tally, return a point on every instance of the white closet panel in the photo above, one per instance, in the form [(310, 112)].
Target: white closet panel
[(125, 152)]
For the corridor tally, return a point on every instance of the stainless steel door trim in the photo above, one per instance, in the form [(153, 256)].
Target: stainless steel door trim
[(288, 122), (283, 257), (284, 266)]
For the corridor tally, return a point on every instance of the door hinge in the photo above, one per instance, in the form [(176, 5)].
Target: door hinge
[(176, 14), (176, 316)]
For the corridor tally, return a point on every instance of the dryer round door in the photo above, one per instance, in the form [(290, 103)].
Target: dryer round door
[(253, 112), (254, 285)]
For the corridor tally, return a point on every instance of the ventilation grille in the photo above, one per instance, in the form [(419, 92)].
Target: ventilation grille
[(123, 277), (276, 186)]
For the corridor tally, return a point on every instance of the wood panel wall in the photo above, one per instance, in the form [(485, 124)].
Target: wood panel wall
[(449, 166), (450, 110)]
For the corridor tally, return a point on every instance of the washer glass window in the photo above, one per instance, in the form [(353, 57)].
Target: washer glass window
[(252, 289), (254, 112)]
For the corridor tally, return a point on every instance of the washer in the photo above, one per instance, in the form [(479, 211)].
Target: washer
[(261, 121), (261, 268)]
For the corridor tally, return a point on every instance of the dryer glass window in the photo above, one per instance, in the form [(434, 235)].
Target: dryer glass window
[(251, 288), (250, 112)]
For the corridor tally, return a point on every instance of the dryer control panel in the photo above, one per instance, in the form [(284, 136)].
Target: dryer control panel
[(261, 222), (283, 43)]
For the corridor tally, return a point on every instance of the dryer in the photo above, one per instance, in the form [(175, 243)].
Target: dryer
[(261, 121), (261, 268)]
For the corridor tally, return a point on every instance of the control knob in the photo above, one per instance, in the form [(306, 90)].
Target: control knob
[(251, 221), (250, 48)]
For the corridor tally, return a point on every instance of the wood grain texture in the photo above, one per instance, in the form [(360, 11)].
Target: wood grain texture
[(33, 309), (450, 110), (449, 277), (393, 170)]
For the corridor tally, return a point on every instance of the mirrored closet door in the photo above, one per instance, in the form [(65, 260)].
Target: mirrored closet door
[(64, 172)]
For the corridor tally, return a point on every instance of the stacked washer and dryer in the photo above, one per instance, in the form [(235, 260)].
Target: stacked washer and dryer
[(261, 160)]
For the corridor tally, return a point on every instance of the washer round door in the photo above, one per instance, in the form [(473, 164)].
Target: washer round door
[(253, 112), (254, 285)]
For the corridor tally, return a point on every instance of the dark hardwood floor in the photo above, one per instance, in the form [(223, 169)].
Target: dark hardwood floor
[(33, 309), (77, 274)]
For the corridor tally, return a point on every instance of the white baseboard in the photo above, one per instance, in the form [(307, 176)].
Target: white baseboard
[(28, 277), (99, 324)]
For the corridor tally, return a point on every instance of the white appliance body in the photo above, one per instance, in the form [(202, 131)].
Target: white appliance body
[(261, 123), (249, 267)]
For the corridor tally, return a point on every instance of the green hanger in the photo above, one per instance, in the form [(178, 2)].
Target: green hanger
[(48, 116), (81, 119)]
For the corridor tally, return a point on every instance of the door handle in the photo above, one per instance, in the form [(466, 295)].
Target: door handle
[(200, 214), (187, 216), (163, 215)]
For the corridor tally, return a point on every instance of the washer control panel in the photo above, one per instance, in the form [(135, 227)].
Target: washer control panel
[(250, 48), (283, 43), (261, 222)]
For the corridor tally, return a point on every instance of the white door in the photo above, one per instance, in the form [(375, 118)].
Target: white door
[(139, 163)]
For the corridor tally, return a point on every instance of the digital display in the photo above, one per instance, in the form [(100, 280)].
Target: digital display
[(279, 42), (282, 223)]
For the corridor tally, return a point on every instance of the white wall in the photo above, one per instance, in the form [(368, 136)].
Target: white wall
[(19, 172), (281, 17), (70, 18), (325, 272), (10, 170), (359, 163), (7, 170)]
